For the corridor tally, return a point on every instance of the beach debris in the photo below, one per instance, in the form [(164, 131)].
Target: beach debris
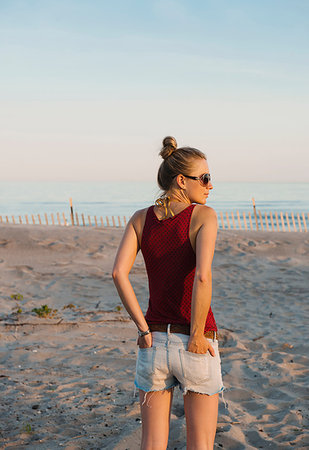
[(118, 308), (70, 305), (260, 337), (287, 345), (44, 311)]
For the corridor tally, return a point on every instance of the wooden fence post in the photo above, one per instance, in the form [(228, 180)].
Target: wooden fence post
[(282, 221), (125, 221), (113, 219), (102, 223), (52, 217), (271, 221), (46, 219), (293, 221), (245, 222), (250, 221), (89, 221), (228, 222), (234, 225), (287, 221), (261, 219), (58, 218), (64, 219), (255, 215), (72, 215), (77, 221), (238, 218), (33, 219), (304, 220), (107, 221), (83, 219), (277, 221)]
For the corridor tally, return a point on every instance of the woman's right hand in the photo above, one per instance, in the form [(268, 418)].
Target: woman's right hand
[(200, 344), (144, 341)]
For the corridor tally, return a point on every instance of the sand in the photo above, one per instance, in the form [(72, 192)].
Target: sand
[(67, 380)]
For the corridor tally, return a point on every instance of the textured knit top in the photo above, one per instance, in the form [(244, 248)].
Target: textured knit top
[(170, 263)]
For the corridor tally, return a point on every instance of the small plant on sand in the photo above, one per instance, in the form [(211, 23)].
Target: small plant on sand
[(27, 428), (18, 298), (118, 308), (45, 311)]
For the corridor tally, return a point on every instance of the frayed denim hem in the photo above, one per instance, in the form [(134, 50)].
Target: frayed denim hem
[(185, 390), (147, 391)]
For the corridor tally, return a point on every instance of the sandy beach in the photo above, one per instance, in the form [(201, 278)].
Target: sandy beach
[(67, 379)]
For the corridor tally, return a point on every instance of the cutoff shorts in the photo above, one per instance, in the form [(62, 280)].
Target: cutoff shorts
[(168, 364)]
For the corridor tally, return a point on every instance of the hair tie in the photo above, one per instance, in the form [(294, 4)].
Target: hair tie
[(165, 202)]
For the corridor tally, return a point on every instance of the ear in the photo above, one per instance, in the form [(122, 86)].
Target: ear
[(181, 181)]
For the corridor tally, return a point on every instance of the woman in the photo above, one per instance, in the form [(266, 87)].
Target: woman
[(177, 340)]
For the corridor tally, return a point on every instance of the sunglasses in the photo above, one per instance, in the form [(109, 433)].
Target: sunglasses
[(204, 179)]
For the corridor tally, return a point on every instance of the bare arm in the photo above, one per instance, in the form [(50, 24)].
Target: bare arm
[(202, 285), (124, 261)]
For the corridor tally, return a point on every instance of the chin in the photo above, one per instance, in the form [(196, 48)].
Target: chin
[(201, 202)]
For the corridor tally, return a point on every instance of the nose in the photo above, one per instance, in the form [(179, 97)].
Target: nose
[(210, 186)]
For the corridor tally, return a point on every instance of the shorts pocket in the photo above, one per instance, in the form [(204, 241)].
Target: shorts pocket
[(195, 366), (145, 361)]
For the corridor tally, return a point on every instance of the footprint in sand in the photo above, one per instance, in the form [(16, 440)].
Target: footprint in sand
[(23, 269)]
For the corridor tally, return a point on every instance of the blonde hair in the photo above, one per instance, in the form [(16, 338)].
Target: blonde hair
[(175, 161)]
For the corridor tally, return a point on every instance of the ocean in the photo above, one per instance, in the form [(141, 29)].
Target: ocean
[(116, 198)]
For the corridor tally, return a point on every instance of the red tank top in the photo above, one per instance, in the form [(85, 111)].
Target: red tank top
[(170, 263)]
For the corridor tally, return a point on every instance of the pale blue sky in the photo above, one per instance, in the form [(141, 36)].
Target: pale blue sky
[(88, 89)]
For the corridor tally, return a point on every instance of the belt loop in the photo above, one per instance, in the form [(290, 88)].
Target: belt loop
[(168, 329)]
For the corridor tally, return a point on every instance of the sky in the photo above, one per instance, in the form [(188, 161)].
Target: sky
[(89, 88)]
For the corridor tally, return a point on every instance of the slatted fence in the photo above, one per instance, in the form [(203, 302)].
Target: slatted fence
[(268, 221)]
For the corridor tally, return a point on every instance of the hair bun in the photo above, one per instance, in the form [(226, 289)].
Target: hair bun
[(169, 146)]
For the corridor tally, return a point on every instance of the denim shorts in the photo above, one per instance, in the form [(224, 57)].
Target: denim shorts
[(168, 364)]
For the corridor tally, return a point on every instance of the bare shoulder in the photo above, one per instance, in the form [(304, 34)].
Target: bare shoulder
[(138, 221), (139, 215), (204, 212)]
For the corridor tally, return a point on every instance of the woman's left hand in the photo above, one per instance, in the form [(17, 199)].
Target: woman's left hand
[(199, 344), (144, 341)]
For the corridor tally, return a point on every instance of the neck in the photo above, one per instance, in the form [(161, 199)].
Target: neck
[(178, 197)]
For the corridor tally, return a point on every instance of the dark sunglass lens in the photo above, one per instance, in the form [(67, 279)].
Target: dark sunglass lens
[(206, 178)]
